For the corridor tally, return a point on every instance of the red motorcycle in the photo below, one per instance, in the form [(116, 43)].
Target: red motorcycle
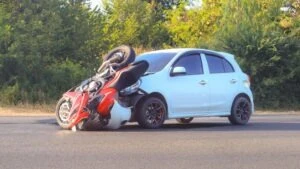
[(105, 97)]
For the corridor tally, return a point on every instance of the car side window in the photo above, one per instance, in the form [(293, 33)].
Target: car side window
[(192, 63), (218, 65), (227, 66)]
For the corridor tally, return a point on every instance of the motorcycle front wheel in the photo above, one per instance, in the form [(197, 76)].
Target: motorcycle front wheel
[(62, 112)]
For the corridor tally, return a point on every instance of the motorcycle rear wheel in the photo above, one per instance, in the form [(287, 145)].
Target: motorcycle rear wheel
[(128, 56)]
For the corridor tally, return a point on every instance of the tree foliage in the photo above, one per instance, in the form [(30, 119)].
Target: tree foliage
[(193, 27), (37, 38), (47, 46), (133, 22), (267, 48)]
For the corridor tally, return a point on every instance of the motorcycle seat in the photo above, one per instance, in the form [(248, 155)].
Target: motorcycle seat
[(130, 75)]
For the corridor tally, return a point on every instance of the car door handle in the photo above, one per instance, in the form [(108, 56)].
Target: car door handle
[(233, 81), (202, 82)]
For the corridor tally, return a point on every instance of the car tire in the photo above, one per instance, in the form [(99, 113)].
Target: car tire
[(184, 120), (240, 111), (151, 113)]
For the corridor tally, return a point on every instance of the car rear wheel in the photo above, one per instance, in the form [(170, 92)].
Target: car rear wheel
[(151, 113), (240, 112), (184, 120)]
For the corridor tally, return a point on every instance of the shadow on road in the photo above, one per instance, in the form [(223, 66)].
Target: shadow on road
[(200, 126), (219, 126)]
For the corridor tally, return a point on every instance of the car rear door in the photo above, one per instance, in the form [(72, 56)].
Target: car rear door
[(222, 83), (187, 93)]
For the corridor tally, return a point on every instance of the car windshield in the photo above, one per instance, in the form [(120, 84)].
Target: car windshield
[(157, 61)]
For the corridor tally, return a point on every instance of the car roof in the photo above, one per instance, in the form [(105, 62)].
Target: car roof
[(175, 50), (183, 50)]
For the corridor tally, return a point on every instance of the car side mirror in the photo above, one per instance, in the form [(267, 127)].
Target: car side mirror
[(178, 71)]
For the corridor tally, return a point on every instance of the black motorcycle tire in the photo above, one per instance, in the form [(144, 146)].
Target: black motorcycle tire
[(129, 56)]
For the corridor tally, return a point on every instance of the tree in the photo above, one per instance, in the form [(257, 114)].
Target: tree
[(45, 36), (133, 22), (59, 41), (194, 27), (268, 51)]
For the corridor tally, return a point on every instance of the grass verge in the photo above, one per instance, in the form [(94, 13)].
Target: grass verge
[(27, 110)]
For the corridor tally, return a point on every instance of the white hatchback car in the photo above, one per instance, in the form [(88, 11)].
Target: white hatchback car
[(186, 83)]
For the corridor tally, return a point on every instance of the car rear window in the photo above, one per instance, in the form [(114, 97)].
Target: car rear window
[(218, 65)]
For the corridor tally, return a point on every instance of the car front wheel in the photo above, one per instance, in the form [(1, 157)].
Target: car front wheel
[(151, 113), (240, 112)]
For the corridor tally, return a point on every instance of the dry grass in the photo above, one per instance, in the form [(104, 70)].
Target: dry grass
[(140, 50), (277, 112), (27, 110)]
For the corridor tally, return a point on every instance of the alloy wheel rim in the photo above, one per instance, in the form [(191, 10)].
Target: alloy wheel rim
[(64, 112), (243, 111), (155, 113)]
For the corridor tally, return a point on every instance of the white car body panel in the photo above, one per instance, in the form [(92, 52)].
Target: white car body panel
[(119, 115), (185, 97)]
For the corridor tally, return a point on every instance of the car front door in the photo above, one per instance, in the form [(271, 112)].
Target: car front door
[(187, 92)]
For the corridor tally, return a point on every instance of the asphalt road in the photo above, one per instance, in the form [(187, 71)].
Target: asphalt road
[(268, 142)]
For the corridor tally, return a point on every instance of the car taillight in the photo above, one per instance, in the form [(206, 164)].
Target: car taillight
[(247, 82), (249, 79)]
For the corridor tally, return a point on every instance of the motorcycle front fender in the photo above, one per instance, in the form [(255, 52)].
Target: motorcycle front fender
[(119, 115), (79, 100)]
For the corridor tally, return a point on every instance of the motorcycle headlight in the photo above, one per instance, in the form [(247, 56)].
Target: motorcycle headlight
[(131, 89), (90, 86)]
